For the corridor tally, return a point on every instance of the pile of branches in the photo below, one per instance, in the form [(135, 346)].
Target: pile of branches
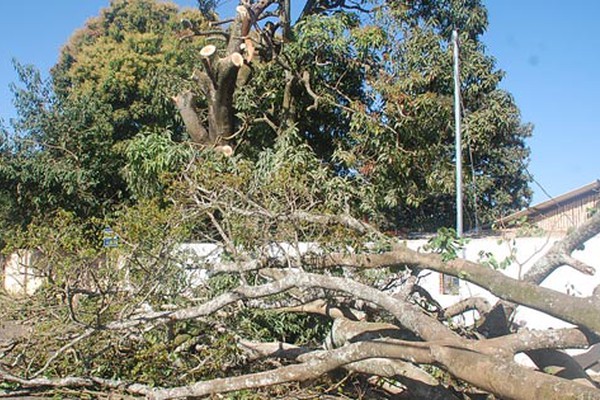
[(393, 339)]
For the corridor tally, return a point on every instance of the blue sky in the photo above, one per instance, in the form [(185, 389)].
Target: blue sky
[(550, 51)]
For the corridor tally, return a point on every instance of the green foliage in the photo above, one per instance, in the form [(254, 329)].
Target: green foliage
[(446, 243), (220, 284), (488, 259), (522, 226), (404, 145), (268, 326), (60, 235), (151, 160), (130, 57), (59, 156), (293, 169)]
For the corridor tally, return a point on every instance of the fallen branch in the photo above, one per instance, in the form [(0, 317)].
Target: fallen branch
[(481, 305), (560, 253), (76, 382), (418, 381), (410, 316), (505, 379), (311, 369), (576, 310)]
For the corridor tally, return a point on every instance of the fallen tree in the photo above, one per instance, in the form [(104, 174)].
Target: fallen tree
[(261, 314), (208, 334)]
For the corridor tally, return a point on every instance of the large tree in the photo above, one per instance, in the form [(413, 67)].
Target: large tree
[(410, 156), (68, 145), (367, 87), (337, 127)]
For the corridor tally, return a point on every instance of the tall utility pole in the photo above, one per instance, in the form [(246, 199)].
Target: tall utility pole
[(458, 144)]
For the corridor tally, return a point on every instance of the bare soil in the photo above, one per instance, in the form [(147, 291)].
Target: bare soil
[(11, 330)]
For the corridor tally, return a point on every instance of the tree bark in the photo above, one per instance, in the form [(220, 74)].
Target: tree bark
[(583, 311)]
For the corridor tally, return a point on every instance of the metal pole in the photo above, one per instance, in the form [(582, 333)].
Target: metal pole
[(458, 144)]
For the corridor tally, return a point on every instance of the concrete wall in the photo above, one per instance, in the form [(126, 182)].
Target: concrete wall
[(525, 251), (20, 278)]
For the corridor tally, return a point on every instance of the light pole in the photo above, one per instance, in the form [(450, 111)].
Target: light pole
[(458, 143)]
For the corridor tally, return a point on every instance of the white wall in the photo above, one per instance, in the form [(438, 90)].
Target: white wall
[(526, 251), (20, 278)]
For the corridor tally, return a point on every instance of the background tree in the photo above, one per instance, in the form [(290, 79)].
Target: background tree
[(131, 58), (370, 93), (410, 158), (67, 147)]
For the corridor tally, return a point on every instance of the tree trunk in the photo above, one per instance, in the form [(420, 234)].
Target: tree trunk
[(218, 82)]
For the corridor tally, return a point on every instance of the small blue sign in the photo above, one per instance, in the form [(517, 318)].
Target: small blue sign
[(110, 238)]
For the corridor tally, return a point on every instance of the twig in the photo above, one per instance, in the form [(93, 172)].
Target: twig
[(69, 345)]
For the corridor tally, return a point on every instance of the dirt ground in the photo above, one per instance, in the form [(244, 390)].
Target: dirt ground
[(11, 330)]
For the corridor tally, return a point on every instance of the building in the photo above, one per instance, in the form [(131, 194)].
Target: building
[(560, 214)]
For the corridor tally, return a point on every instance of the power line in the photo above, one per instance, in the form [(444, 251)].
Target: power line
[(550, 197)]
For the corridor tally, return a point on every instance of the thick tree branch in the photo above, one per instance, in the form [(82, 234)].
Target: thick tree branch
[(310, 369), (418, 381), (526, 339), (481, 305), (560, 253), (509, 380), (185, 104), (257, 350), (577, 265), (498, 376), (576, 310), (345, 331)]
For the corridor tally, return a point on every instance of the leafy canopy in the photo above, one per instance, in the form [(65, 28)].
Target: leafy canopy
[(370, 95)]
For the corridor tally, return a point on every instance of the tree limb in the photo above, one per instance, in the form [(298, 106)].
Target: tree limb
[(576, 310), (480, 304), (561, 250), (76, 382), (507, 379), (418, 381), (185, 104), (309, 369), (409, 315)]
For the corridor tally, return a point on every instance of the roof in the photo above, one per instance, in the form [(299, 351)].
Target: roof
[(556, 202)]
